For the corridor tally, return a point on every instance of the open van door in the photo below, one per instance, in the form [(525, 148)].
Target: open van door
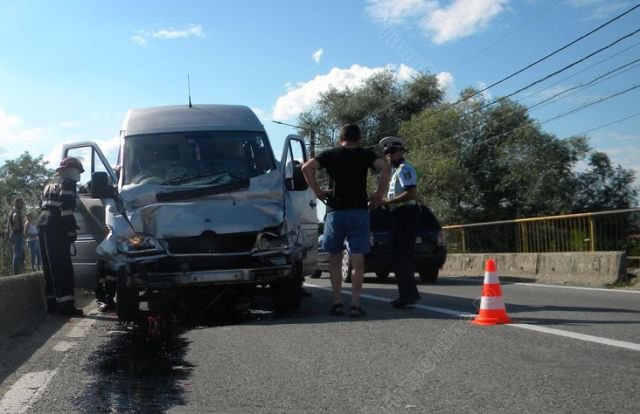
[(300, 200), (89, 212)]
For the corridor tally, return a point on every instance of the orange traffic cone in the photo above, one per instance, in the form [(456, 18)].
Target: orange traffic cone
[(492, 310)]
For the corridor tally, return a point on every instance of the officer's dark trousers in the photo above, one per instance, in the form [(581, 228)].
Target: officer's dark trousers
[(404, 222), (56, 263)]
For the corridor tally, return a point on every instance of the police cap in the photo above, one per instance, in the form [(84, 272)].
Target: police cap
[(392, 144)]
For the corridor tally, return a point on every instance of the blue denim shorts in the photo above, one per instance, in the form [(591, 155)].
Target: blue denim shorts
[(349, 225)]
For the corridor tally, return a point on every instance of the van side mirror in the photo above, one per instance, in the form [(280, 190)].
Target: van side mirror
[(100, 187), (297, 182)]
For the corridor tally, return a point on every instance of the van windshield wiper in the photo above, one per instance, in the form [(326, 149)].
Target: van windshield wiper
[(188, 178)]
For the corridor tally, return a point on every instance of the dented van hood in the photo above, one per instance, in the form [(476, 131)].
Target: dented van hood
[(189, 213)]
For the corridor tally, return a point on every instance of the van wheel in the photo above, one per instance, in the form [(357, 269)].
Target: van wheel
[(382, 275), (127, 299), (429, 275), (346, 267)]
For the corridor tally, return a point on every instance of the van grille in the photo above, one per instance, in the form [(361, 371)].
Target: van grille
[(210, 242)]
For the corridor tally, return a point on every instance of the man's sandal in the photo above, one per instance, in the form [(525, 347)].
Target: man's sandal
[(356, 311), (336, 310)]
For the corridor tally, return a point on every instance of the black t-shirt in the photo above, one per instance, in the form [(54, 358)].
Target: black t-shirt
[(347, 167)]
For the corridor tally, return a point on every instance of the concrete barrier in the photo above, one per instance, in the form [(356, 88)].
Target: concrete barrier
[(594, 269), (22, 301)]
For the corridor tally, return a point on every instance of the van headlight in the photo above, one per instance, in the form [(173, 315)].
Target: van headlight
[(139, 244), (270, 241)]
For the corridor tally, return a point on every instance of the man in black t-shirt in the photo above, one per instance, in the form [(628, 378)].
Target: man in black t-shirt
[(347, 208)]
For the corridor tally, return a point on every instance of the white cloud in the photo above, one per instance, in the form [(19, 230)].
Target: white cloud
[(304, 95), (621, 149), (143, 36), (192, 30), (601, 8), (396, 11), (461, 18), (317, 55), (446, 83), (139, 40)]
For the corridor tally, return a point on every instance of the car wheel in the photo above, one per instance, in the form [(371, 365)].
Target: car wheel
[(127, 299), (429, 275), (382, 275), (346, 267), (317, 274)]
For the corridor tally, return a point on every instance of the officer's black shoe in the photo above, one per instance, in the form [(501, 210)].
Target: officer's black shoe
[(69, 309), (52, 306), (403, 303), (107, 306)]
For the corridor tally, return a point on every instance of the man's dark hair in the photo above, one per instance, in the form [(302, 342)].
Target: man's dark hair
[(350, 133)]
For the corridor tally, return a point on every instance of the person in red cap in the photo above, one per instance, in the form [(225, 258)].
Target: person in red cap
[(57, 230)]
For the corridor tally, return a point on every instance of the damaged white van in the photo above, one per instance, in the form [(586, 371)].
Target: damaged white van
[(196, 209)]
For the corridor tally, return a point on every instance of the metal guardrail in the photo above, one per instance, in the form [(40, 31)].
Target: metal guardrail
[(601, 231)]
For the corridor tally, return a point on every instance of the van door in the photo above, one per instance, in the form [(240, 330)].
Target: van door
[(89, 212), (300, 199)]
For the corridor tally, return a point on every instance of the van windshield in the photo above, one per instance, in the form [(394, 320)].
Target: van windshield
[(196, 158)]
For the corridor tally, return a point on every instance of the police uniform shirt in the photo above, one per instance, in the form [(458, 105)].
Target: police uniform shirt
[(403, 178)]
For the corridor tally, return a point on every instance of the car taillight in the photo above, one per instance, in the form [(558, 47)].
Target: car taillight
[(441, 238)]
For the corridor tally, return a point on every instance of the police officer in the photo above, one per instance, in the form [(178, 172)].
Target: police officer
[(57, 230), (401, 200)]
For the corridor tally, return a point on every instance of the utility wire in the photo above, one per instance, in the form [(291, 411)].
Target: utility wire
[(466, 98), (539, 123), (592, 82), (517, 29), (574, 63), (552, 53), (525, 109), (610, 123), (606, 59)]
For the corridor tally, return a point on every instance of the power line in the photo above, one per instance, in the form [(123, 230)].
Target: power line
[(466, 98), (552, 53), (536, 17), (572, 64), (525, 109), (610, 123), (592, 82), (539, 123), (606, 59)]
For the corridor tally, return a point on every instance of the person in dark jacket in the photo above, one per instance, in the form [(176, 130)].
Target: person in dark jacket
[(57, 231), (16, 234)]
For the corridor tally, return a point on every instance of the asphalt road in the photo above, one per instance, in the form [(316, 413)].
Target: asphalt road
[(568, 351)]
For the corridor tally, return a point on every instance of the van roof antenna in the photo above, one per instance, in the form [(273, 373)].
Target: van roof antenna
[(189, 88)]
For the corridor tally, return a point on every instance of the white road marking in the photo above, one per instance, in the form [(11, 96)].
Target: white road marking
[(25, 392), (465, 315), (30, 387), (64, 346), (541, 285), (81, 329), (582, 337)]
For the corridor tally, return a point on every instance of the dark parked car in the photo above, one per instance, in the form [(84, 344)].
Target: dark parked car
[(430, 250)]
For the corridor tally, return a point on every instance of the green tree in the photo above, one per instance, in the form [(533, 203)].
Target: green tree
[(485, 163), (23, 177), (603, 187), (379, 106)]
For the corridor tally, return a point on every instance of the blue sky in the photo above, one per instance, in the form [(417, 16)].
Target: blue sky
[(70, 69)]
